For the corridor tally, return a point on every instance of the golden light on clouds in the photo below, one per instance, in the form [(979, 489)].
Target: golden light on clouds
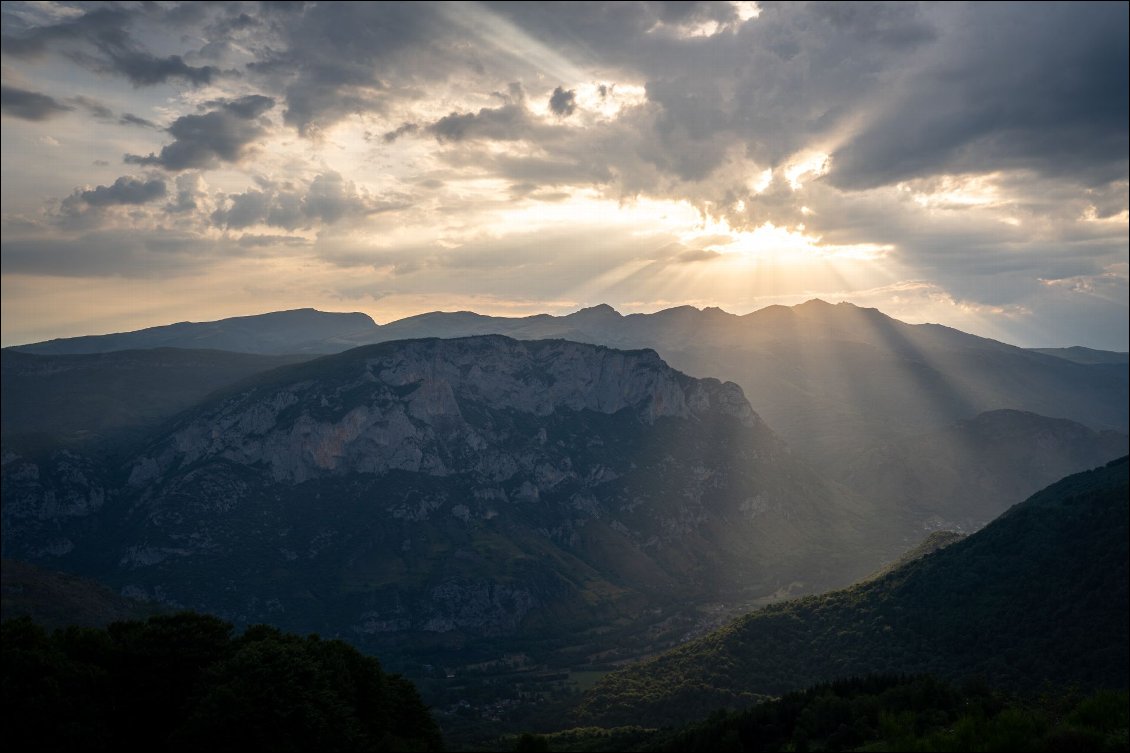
[(388, 156)]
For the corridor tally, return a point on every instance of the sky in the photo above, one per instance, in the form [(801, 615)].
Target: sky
[(965, 164)]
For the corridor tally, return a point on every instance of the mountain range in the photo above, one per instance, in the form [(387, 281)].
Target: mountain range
[(463, 488), (932, 427), (828, 378), (464, 491)]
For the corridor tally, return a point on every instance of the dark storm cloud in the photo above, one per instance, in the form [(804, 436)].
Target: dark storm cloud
[(101, 27), (563, 102), (1045, 89), (125, 190), (201, 141), (765, 88), (101, 41), (334, 57), (29, 105), (919, 90), (144, 69), (887, 24)]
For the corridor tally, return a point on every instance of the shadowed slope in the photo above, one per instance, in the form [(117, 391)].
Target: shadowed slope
[(1038, 595), (100, 399)]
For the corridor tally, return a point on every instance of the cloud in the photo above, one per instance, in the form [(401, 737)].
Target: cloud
[(697, 255), (144, 69), (125, 190), (136, 120), (218, 136), (327, 199), (404, 129), (506, 123), (29, 105), (252, 240), (92, 106), (190, 196), (129, 253), (1044, 91), (563, 102), (101, 40), (981, 146), (336, 59)]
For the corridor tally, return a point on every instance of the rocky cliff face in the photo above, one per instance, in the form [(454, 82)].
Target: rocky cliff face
[(458, 488), (399, 408)]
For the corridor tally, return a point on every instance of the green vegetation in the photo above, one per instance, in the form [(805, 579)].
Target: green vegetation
[(1039, 596), (910, 714), (882, 713), (185, 682)]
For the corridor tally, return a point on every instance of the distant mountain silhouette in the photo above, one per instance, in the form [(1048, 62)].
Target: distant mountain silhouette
[(276, 333), (830, 378), (1079, 354)]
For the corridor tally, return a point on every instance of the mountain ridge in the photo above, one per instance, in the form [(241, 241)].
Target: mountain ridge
[(967, 609), (822, 375)]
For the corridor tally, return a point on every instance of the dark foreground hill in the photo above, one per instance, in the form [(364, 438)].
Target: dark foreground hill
[(1038, 596), (880, 713), (186, 682)]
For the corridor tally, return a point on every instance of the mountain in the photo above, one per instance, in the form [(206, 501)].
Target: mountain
[(101, 399), (832, 378), (1038, 596), (829, 378), (1079, 354), (964, 475), (276, 333), (440, 491)]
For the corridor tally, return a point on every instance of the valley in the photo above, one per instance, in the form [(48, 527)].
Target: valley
[(512, 524)]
